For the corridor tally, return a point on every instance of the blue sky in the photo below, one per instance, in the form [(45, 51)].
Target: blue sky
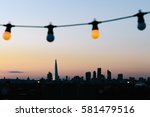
[(121, 47)]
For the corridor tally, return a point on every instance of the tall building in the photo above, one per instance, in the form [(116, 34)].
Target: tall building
[(56, 71), (49, 76), (120, 77), (108, 75), (88, 76), (99, 73), (94, 74)]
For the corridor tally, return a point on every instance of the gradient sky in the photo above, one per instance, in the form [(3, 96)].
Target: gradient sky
[(121, 48)]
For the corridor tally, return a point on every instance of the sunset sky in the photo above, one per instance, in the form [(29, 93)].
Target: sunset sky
[(121, 48)]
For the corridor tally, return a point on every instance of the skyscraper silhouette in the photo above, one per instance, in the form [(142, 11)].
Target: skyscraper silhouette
[(56, 71), (88, 76), (99, 73), (108, 75), (94, 74), (49, 76), (120, 77)]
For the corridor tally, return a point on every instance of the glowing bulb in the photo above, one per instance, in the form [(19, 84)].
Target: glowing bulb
[(95, 31), (95, 34), (7, 35)]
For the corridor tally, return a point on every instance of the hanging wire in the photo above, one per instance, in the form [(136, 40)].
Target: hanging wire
[(50, 27), (80, 24)]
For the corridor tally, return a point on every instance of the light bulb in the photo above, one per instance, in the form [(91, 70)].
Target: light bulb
[(50, 33), (95, 31), (7, 35), (141, 26), (50, 37), (95, 34), (141, 22)]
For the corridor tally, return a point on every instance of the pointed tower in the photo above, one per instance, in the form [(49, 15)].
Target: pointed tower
[(56, 71)]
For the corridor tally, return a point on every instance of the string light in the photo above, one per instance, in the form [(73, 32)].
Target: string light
[(141, 22), (7, 33), (50, 34), (95, 30)]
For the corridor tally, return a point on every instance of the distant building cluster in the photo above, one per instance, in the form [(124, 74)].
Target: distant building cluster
[(98, 75), (94, 85), (95, 75), (88, 75)]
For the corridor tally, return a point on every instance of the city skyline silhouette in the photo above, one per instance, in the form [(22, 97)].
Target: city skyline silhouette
[(94, 85), (56, 76)]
